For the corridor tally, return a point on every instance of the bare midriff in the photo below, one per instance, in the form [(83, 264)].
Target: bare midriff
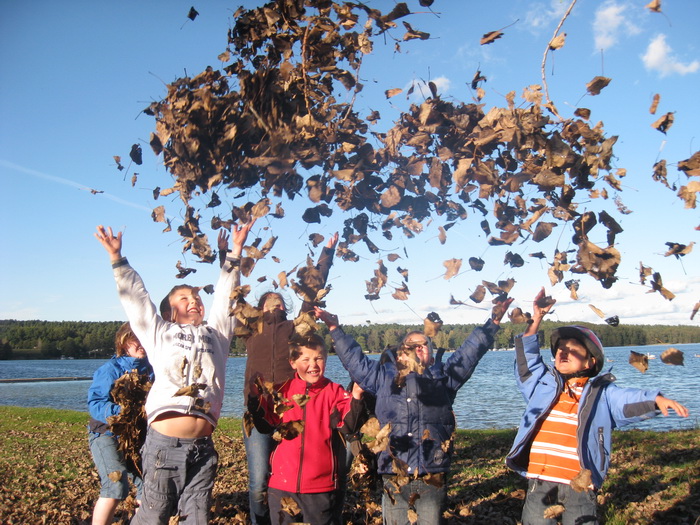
[(174, 424)]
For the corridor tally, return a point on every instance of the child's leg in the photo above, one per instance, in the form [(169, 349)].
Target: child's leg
[(279, 516), (429, 506), (113, 476), (258, 448), (202, 462), (580, 507), (540, 496), (320, 508), (164, 465)]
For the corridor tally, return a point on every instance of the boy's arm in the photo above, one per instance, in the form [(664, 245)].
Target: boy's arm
[(325, 261), (100, 404), (356, 415), (137, 304), (361, 368), (664, 404), (529, 365), (229, 278)]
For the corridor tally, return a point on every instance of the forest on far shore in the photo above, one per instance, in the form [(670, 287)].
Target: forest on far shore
[(83, 340)]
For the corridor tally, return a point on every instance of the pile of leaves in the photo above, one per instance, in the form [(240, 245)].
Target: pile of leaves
[(278, 120), (49, 476)]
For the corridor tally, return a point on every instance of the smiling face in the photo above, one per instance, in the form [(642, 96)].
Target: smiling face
[(310, 364), (134, 349), (420, 343), (186, 306), (572, 357)]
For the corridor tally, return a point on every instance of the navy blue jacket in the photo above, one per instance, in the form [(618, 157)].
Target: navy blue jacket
[(420, 413), (603, 406)]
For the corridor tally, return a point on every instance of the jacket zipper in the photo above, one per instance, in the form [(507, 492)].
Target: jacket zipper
[(303, 441)]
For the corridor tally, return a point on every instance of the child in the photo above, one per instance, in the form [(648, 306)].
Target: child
[(305, 465), (268, 356), (129, 356), (563, 444), (418, 405), (183, 406)]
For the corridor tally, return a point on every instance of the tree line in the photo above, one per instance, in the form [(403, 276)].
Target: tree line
[(83, 339)]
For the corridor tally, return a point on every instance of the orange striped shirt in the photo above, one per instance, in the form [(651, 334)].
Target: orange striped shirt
[(554, 452)]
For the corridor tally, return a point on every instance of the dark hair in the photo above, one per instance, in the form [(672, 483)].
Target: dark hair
[(419, 332), (264, 297), (123, 337), (166, 311), (312, 340)]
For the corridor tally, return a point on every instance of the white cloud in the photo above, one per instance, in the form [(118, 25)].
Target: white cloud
[(610, 23), (659, 57), (540, 16)]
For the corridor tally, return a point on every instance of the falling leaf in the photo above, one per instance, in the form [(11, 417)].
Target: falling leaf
[(392, 92), (453, 266), (654, 104), (190, 390), (192, 14), (490, 37), (584, 113), (613, 320), (183, 272), (695, 310), (654, 6), (664, 123), (118, 160), (639, 361), (401, 294), (432, 324), (301, 399), (597, 311), (476, 263), (136, 155), (288, 430), (557, 42), (517, 316), (657, 286), (289, 506), (672, 356), (595, 86), (678, 250), (572, 285)]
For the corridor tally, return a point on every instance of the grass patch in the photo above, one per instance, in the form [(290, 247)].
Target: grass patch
[(49, 477)]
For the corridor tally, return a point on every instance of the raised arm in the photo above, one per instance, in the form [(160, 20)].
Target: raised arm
[(540, 308), (111, 243), (222, 244)]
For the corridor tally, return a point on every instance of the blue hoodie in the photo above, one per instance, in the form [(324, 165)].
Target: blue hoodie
[(100, 402), (603, 406)]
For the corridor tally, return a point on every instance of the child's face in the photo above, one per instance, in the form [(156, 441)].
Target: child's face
[(273, 302), (310, 365), (572, 357), (420, 343), (187, 307), (134, 349)]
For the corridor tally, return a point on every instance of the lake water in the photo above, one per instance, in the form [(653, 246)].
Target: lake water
[(489, 399)]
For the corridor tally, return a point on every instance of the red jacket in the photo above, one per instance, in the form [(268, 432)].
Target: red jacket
[(307, 464)]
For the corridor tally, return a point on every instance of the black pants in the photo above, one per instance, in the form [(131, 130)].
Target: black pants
[(317, 509)]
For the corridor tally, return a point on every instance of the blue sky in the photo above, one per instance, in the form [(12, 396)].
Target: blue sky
[(76, 76)]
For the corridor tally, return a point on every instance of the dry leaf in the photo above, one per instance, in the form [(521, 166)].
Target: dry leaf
[(557, 42), (553, 512), (490, 37), (582, 481), (639, 361), (595, 86), (654, 104), (672, 356)]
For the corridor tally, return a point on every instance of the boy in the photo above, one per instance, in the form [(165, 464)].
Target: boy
[(305, 464), (415, 395), (183, 406), (563, 444), (104, 446)]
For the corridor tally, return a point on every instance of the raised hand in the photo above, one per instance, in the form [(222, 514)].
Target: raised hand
[(112, 244), (331, 320), (239, 235)]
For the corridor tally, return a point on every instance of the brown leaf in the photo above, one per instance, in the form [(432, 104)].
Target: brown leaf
[(453, 266), (672, 356), (553, 512), (490, 37), (557, 42), (301, 399), (582, 481), (654, 6), (432, 324), (695, 310), (289, 506), (597, 311), (595, 86), (517, 316), (639, 361), (392, 92), (654, 104), (115, 476), (190, 390), (664, 123)]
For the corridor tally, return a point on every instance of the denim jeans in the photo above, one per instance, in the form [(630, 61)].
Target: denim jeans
[(429, 505), (258, 449), (108, 459), (580, 506), (178, 475)]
